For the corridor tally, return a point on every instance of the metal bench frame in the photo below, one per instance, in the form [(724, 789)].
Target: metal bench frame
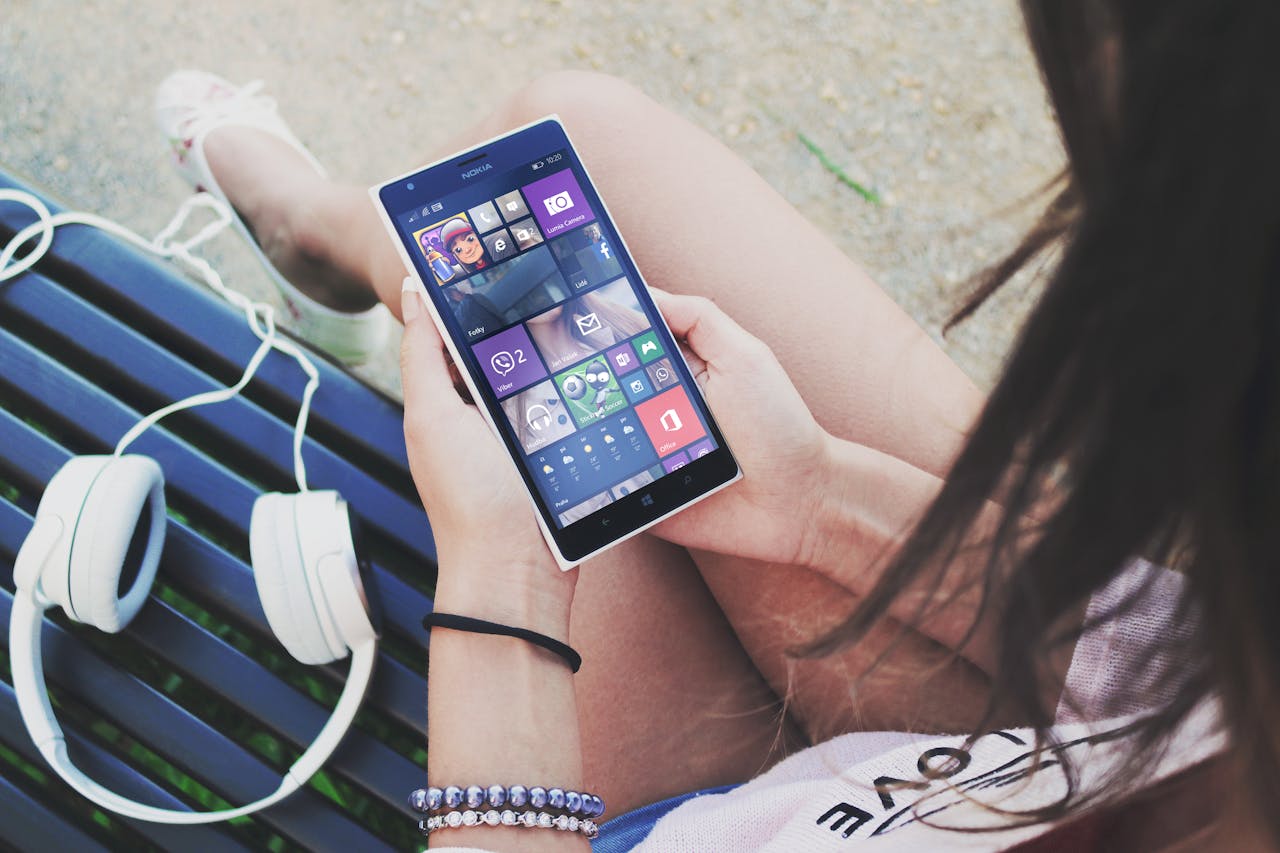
[(91, 338)]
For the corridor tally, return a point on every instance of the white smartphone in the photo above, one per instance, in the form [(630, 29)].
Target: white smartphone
[(555, 334)]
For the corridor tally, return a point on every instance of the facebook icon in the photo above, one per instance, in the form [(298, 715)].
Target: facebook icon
[(603, 248)]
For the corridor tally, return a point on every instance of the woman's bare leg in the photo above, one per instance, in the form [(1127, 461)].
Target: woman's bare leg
[(691, 210), (693, 213)]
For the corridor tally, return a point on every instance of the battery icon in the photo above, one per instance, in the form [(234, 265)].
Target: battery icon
[(437, 207), (538, 165)]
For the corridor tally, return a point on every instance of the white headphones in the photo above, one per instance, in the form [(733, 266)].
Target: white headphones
[(100, 528)]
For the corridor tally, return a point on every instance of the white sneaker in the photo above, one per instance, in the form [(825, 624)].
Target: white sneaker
[(190, 104)]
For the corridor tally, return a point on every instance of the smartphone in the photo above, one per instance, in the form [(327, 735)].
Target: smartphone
[(554, 332)]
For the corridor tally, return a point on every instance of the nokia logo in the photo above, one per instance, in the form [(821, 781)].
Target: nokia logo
[(471, 173)]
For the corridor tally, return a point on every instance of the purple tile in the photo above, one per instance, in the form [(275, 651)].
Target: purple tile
[(671, 463), (701, 449), (557, 203), (509, 361), (622, 359)]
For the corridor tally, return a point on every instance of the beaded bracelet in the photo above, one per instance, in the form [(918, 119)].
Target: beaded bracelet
[(531, 819), (571, 803)]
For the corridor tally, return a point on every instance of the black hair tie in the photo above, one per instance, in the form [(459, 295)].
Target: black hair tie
[(481, 626)]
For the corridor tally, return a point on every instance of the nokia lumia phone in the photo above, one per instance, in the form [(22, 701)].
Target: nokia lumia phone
[(557, 338)]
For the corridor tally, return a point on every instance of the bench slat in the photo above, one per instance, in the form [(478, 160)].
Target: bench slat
[(110, 770), (264, 442), (94, 332), (243, 682), (225, 582), (187, 742), (29, 825), (167, 307), (219, 493)]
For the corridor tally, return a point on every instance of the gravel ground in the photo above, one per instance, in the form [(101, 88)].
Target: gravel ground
[(936, 105)]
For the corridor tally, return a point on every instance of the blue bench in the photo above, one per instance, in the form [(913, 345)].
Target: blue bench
[(196, 703)]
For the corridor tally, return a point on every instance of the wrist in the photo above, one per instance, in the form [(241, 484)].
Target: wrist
[(527, 591), (840, 508)]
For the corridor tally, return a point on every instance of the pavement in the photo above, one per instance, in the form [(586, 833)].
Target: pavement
[(936, 105)]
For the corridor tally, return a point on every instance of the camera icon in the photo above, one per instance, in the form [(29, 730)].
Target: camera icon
[(558, 203)]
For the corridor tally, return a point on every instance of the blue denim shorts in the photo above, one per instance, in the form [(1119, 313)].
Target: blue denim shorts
[(624, 832)]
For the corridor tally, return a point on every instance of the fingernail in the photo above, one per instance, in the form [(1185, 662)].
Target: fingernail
[(410, 302)]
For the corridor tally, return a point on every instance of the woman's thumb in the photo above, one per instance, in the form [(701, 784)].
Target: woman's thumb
[(424, 366), (710, 333)]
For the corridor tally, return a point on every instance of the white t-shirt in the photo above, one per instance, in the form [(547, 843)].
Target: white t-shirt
[(868, 789)]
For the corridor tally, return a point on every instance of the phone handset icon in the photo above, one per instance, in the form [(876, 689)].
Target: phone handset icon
[(503, 362)]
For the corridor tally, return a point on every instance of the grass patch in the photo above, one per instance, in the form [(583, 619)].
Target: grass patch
[(836, 169), (9, 492), (868, 194), (38, 775)]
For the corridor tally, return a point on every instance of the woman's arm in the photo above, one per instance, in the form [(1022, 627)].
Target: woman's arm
[(500, 710), (871, 501), (871, 504), (810, 499)]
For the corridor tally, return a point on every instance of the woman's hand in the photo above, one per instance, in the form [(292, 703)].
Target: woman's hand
[(782, 450), (487, 539)]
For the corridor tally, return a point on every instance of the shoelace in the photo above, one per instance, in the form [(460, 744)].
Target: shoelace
[(259, 316), (234, 103)]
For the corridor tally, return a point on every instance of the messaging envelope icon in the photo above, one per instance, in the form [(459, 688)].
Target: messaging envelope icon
[(588, 324)]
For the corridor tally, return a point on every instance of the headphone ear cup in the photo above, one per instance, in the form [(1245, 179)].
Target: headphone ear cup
[(59, 508), (349, 593), (119, 534), (284, 588)]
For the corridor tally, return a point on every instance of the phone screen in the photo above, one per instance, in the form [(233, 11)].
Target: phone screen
[(548, 313)]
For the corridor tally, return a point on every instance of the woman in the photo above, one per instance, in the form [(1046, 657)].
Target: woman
[(1138, 416)]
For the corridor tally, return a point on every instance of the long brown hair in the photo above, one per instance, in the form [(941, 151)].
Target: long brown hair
[(1141, 403)]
